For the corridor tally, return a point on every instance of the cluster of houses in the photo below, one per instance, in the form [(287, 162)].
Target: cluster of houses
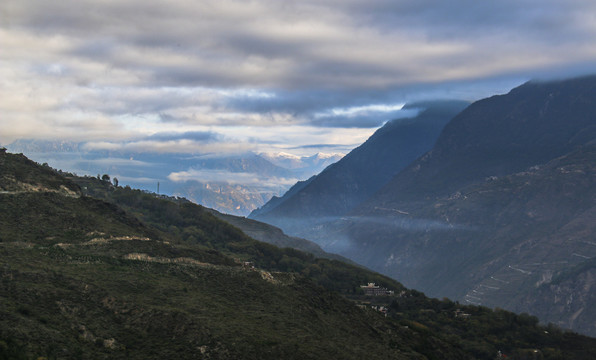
[(373, 289)]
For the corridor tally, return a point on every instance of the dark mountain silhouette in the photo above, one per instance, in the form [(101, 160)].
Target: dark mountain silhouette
[(531, 125), (345, 184), (500, 212)]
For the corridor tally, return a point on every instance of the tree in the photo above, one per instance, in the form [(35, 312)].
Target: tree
[(105, 177), (115, 181)]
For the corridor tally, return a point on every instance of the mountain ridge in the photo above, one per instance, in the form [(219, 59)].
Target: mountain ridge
[(468, 151), (343, 185), (487, 217)]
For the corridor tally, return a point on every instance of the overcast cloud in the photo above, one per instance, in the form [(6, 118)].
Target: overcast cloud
[(266, 75)]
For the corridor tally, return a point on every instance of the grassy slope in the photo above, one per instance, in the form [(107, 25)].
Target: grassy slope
[(75, 303), (189, 223), (94, 296)]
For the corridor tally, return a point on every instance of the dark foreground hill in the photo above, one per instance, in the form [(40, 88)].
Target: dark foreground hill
[(500, 212), (143, 277)]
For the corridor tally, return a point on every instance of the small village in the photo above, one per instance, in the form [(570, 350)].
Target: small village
[(374, 290), (376, 298)]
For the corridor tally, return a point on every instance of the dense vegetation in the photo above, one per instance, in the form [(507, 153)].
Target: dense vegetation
[(126, 274), (188, 223)]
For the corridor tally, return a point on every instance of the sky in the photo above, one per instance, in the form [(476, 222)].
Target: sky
[(228, 76)]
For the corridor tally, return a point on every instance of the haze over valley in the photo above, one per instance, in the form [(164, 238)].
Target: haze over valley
[(498, 212)]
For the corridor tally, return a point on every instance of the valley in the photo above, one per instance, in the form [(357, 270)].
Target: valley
[(494, 214), (273, 180)]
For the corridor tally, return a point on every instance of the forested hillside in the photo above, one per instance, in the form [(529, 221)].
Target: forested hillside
[(135, 275)]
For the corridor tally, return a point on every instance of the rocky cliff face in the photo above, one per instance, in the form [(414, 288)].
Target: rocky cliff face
[(567, 302)]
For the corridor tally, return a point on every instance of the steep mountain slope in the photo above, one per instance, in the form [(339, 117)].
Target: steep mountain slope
[(501, 207), (275, 201), (531, 125), (158, 280), (345, 184)]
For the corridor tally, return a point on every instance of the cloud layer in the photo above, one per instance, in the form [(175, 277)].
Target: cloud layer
[(266, 74)]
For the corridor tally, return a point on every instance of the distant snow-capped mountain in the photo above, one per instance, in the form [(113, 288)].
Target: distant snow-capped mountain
[(230, 183), (305, 165)]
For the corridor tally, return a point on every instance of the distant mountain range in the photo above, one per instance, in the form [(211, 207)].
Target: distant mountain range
[(255, 179), (499, 212), (234, 184), (304, 163)]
